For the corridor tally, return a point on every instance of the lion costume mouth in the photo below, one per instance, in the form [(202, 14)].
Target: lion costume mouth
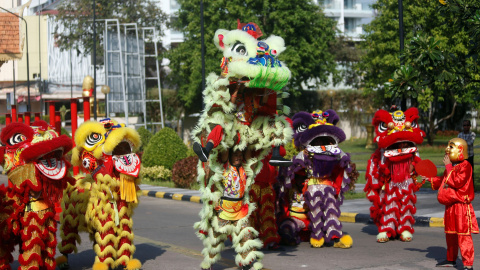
[(400, 148), (52, 165), (125, 161), (324, 145)]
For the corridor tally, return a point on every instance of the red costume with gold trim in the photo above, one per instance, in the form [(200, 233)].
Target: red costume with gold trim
[(456, 192), (391, 180), (33, 158), (263, 195)]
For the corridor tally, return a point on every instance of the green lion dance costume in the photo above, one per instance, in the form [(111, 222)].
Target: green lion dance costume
[(102, 201), (241, 115)]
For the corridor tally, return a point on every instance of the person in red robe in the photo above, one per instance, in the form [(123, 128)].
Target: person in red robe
[(455, 191)]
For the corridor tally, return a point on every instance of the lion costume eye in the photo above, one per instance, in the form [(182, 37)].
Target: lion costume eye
[(414, 124), (240, 49), (301, 128), (382, 127), (93, 139), (17, 138)]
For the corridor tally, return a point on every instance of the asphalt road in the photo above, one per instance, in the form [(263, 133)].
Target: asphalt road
[(165, 239)]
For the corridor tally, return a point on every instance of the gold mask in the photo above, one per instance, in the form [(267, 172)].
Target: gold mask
[(457, 150)]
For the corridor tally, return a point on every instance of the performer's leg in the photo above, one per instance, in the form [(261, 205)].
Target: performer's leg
[(268, 225), (407, 210), (71, 220), (255, 195), (389, 214), (465, 243), (452, 247), (331, 211), (104, 236), (314, 200), (213, 140), (246, 244), (125, 247), (48, 253), (33, 234), (214, 243)]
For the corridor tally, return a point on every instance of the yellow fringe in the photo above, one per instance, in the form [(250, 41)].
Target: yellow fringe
[(128, 190)]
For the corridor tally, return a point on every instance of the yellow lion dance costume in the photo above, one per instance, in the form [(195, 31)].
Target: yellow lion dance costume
[(102, 202)]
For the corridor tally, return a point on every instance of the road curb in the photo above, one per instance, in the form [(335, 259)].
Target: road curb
[(172, 196), (344, 217)]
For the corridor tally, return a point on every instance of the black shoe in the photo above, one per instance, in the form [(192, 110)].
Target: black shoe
[(247, 267), (447, 264), (468, 268), (200, 151)]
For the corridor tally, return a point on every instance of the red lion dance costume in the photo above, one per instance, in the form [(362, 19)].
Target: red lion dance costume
[(391, 180), (33, 158)]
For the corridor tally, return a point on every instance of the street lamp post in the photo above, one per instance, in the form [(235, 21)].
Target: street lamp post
[(400, 34), (95, 65), (202, 37), (28, 65)]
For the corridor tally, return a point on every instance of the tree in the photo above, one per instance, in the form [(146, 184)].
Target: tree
[(429, 78), (382, 47), (434, 75), (306, 30), (438, 72), (74, 27)]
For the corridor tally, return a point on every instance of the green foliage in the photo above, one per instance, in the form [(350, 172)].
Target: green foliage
[(77, 17), (306, 30), (438, 73), (164, 149), (184, 172), (155, 173), (65, 132), (145, 136), (382, 46), (190, 152), (3, 120)]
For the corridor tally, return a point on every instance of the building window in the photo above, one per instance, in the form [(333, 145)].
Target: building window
[(174, 5), (349, 4), (349, 25)]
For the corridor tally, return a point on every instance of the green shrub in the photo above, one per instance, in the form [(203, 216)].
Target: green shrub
[(184, 172), (2, 120), (155, 173), (190, 152), (145, 136), (164, 149), (65, 132)]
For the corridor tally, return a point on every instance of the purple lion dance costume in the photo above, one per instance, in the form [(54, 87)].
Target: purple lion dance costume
[(323, 172)]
